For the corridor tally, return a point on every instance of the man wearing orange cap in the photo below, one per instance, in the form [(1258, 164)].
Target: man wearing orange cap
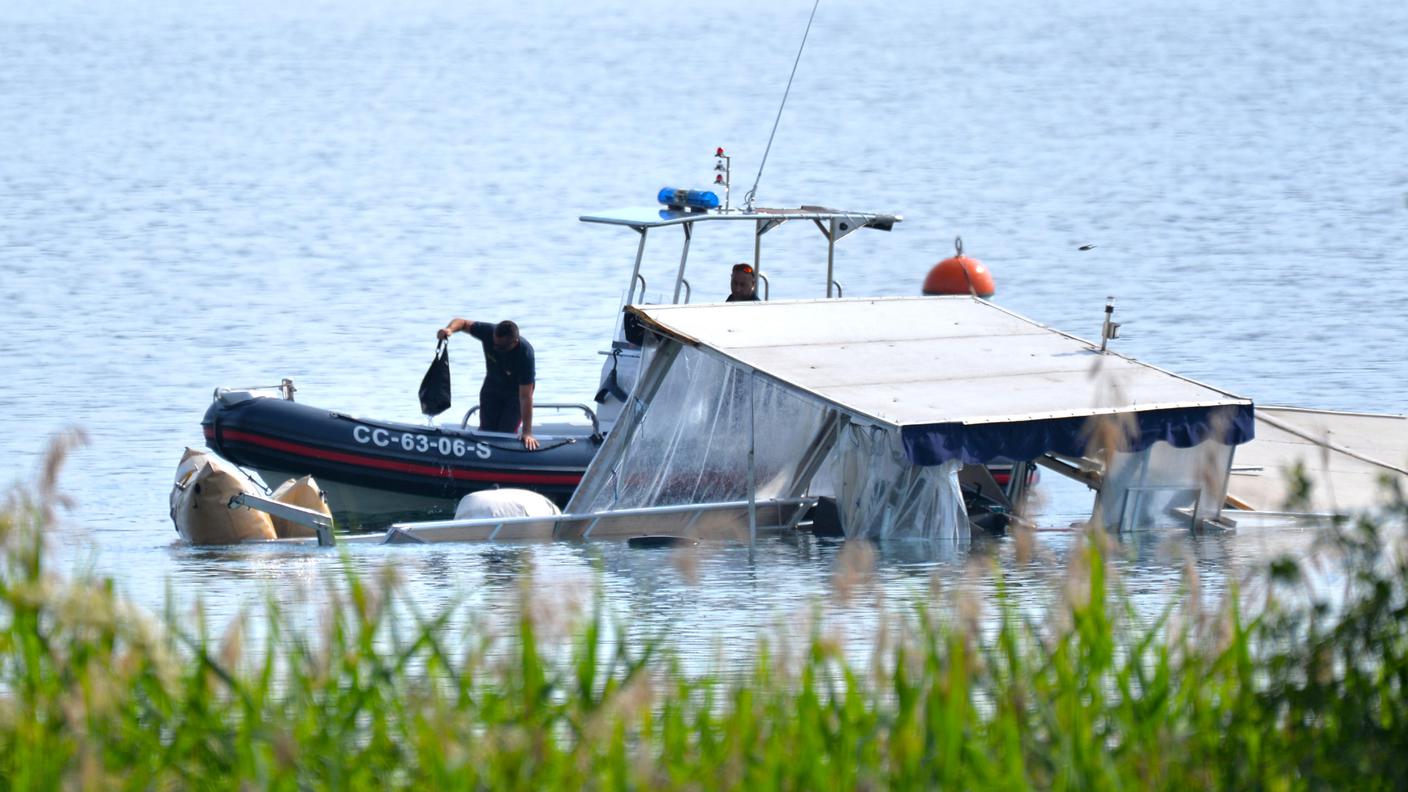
[(743, 285)]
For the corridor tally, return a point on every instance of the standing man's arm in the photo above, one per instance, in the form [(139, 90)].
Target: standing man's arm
[(456, 325), (527, 380), (525, 407)]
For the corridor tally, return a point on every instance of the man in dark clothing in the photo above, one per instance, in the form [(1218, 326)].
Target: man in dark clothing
[(743, 285), (506, 398)]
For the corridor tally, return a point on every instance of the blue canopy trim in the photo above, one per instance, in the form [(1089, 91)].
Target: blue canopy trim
[(932, 444)]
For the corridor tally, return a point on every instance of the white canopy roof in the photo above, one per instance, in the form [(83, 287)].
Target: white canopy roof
[(907, 361)]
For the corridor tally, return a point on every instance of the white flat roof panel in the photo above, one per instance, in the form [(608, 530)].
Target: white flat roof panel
[(957, 358), (838, 322), (925, 360), (1008, 400)]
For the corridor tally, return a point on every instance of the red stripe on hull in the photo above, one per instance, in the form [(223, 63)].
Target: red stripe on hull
[(362, 460)]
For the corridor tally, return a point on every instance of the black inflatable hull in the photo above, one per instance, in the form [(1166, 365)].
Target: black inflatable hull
[(379, 472)]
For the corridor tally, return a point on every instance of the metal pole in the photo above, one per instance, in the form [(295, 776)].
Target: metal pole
[(752, 471), (319, 522), (635, 273), (684, 256), (758, 247), (830, 256)]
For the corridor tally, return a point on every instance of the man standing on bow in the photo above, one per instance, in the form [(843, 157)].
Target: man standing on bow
[(506, 398)]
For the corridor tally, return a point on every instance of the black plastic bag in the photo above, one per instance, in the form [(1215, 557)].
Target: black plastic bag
[(634, 330), (611, 385), (435, 387)]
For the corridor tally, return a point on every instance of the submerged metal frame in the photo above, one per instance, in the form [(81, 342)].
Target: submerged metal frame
[(408, 529), (319, 522)]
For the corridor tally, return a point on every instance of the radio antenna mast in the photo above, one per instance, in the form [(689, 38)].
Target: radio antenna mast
[(748, 198)]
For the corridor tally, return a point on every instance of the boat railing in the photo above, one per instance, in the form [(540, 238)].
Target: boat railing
[(767, 287), (591, 414), (285, 389)]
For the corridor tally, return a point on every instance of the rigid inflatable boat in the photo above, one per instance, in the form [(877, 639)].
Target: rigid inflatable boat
[(378, 472)]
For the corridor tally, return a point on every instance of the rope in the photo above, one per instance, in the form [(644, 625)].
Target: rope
[(748, 199), (256, 482), (538, 450)]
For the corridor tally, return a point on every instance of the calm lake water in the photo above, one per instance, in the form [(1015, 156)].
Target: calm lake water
[(228, 193)]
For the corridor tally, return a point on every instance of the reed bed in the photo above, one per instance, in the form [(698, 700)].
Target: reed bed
[(1303, 690)]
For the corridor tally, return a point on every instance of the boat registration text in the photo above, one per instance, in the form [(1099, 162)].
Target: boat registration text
[(419, 443)]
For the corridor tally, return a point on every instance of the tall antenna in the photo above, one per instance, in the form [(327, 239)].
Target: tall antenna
[(748, 198)]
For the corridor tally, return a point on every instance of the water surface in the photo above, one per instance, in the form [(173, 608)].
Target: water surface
[(231, 193)]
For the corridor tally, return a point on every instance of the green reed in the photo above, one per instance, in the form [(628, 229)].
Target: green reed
[(1295, 693)]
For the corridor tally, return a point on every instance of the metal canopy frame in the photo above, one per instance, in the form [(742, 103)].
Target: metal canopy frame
[(834, 225)]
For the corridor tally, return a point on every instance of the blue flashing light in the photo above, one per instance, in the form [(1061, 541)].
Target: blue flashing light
[(699, 200)]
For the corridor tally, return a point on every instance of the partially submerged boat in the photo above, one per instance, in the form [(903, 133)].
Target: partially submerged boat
[(745, 418)]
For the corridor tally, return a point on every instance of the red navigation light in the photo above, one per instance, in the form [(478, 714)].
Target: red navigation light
[(719, 153)]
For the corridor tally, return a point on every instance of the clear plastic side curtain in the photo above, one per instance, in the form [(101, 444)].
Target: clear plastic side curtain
[(688, 441), (1164, 486), (880, 494), (684, 440)]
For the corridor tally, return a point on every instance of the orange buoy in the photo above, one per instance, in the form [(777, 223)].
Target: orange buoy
[(959, 275)]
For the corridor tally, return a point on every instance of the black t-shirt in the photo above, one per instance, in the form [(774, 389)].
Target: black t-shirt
[(754, 298), (504, 370)]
